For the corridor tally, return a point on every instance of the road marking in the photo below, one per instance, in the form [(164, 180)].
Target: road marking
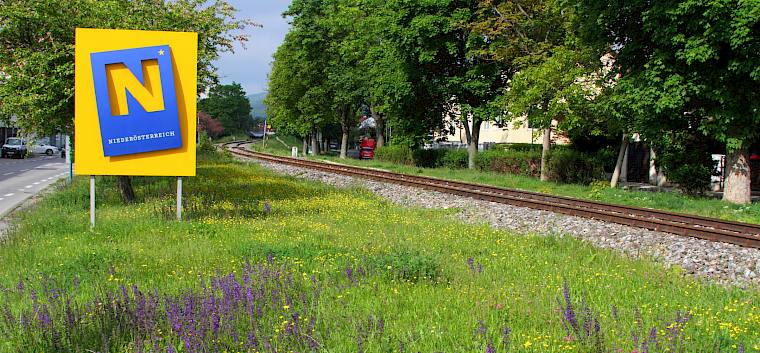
[(1, 199), (28, 187), (36, 183), (8, 173), (8, 195)]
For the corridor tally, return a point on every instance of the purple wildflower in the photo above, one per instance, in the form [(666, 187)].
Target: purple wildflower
[(505, 333), (569, 314), (490, 348), (482, 330), (350, 274)]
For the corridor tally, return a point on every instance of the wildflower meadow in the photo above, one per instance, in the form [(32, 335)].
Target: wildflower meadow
[(269, 263)]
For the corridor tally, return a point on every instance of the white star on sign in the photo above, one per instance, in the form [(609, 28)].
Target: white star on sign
[(161, 52)]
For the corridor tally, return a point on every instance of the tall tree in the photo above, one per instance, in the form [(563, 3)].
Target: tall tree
[(229, 105), (344, 79), (685, 62), (548, 94), (384, 66), (37, 50), (298, 101), (529, 40)]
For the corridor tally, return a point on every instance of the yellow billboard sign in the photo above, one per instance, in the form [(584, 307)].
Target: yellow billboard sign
[(135, 102)]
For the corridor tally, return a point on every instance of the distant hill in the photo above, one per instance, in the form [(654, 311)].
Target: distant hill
[(258, 109)]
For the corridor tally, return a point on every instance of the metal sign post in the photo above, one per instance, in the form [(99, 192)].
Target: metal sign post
[(92, 201), (179, 198), (69, 158)]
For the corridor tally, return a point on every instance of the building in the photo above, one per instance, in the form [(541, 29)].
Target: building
[(7, 131), (491, 133)]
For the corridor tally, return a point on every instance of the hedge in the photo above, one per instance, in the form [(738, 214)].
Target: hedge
[(526, 163), (565, 165)]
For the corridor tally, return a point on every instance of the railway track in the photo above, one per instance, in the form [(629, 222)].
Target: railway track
[(743, 234)]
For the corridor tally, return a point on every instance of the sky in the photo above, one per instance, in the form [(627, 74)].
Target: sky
[(250, 66)]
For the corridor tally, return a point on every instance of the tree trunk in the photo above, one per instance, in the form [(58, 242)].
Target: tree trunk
[(545, 154), (125, 188), (652, 167), (305, 150), (314, 143), (379, 128), (624, 167), (619, 164), (472, 143), (345, 127), (738, 177), (344, 142)]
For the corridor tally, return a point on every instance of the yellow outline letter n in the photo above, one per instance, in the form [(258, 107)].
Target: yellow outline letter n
[(121, 79)]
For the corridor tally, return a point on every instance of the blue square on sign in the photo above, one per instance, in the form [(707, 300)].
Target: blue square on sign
[(136, 100)]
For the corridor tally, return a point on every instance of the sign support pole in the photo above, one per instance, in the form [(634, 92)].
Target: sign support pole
[(179, 198), (92, 201), (69, 158)]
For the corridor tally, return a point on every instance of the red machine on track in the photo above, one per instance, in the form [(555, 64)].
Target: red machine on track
[(367, 148)]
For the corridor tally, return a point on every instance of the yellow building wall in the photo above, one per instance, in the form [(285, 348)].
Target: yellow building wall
[(490, 133)]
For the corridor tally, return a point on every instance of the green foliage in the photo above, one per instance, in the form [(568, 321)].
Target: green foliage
[(229, 105), (405, 265), (429, 158), (454, 159), (597, 189), (670, 201), (37, 48), (686, 161), (422, 158), (205, 145), (551, 91), (395, 154), (321, 231), (526, 163), (568, 166), (686, 64)]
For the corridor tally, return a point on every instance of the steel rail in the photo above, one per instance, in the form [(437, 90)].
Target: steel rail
[(711, 229)]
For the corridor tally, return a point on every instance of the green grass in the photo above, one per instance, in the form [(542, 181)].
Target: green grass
[(418, 277), (674, 202), (271, 145)]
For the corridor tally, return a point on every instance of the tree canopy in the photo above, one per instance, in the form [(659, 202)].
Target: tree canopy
[(229, 105), (37, 48)]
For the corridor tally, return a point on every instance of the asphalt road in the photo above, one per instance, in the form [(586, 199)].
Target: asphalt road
[(22, 178)]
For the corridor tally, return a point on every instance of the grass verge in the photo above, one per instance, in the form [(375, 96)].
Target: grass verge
[(270, 263), (674, 202)]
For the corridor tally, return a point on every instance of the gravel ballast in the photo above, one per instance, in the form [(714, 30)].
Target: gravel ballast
[(721, 262)]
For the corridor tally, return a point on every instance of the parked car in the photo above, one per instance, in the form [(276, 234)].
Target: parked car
[(42, 148), (13, 147)]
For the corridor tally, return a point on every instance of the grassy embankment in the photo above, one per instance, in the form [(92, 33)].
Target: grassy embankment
[(338, 271), (658, 200)]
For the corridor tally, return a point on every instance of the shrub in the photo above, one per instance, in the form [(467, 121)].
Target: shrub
[(428, 158), (454, 159), (516, 147), (513, 162), (408, 265), (395, 154), (686, 160), (416, 157), (569, 166), (525, 147), (204, 143)]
